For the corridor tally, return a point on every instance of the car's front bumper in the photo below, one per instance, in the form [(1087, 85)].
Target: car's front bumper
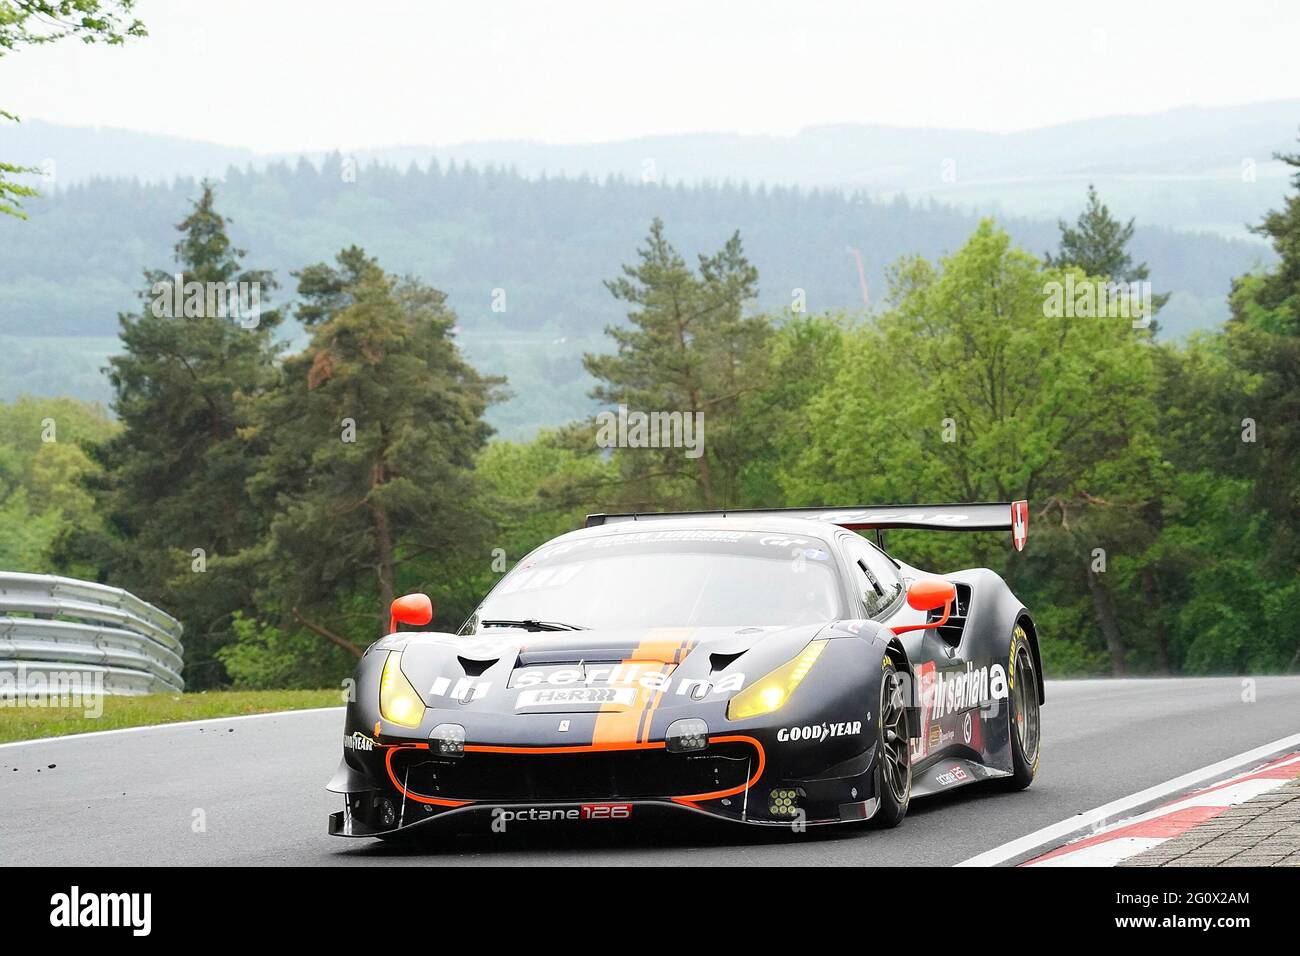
[(402, 785)]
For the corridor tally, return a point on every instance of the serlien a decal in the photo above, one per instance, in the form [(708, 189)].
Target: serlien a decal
[(969, 688), (639, 674)]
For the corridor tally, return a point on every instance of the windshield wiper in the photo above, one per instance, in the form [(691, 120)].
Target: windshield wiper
[(531, 625)]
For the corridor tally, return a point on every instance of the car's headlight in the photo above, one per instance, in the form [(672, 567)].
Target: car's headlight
[(774, 689), (398, 701)]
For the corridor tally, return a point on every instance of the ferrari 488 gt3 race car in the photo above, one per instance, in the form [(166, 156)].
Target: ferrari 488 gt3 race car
[(762, 667)]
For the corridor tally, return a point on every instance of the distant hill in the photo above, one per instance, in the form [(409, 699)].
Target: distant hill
[(547, 242), (1204, 169), (69, 155)]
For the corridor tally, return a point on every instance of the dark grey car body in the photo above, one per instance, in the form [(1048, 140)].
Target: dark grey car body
[(564, 755)]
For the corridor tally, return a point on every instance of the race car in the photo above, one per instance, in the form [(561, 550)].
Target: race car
[(771, 668)]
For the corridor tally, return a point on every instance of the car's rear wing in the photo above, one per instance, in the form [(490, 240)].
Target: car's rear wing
[(1010, 516)]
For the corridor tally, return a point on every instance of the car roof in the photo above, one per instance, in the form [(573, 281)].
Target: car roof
[(717, 522)]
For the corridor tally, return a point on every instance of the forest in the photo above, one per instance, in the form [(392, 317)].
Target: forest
[(274, 491), (521, 259)]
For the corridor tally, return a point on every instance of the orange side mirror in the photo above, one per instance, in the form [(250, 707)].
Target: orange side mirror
[(929, 594), (414, 609)]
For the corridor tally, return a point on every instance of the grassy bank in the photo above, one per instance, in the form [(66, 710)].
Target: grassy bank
[(25, 722)]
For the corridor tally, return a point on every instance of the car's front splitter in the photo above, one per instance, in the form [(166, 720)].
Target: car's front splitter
[(504, 817)]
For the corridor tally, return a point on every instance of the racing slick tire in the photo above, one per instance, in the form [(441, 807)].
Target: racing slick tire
[(894, 766), (1022, 713)]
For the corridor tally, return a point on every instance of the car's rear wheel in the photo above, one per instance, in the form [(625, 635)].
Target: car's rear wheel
[(894, 764), (1022, 712)]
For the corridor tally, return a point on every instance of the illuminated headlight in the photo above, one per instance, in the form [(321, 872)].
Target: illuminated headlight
[(447, 740), (686, 734), (775, 688), (398, 701)]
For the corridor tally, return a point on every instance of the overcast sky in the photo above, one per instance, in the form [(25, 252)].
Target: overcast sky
[(284, 76)]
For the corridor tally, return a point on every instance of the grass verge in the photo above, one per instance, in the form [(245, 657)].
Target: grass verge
[(26, 722)]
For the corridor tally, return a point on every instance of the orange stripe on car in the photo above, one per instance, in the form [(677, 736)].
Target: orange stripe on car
[(684, 648), (621, 724)]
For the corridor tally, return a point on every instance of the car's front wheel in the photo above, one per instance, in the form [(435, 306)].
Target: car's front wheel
[(894, 763)]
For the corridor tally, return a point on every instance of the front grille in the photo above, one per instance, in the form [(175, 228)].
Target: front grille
[(611, 774)]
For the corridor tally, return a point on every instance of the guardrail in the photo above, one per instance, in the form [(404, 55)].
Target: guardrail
[(52, 626)]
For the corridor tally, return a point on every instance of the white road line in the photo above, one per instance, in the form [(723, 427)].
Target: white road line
[(1054, 835), (167, 726)]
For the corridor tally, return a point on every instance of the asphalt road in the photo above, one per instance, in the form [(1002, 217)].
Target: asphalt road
[(250, 791)]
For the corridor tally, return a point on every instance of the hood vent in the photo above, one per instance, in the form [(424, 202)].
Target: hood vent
[(720, 662), (475, 668)]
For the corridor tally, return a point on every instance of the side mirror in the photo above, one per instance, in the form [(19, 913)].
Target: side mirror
[(414, 609), (930, 594)]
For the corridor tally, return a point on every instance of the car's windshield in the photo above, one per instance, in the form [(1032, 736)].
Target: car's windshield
[(669, 579)]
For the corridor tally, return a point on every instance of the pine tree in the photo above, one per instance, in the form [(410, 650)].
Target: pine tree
[(1098, 244), (371, 439), (689, 348), (173, 489)]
